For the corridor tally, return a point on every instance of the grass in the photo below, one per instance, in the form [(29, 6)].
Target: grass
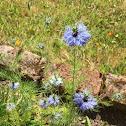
[(25, 20)]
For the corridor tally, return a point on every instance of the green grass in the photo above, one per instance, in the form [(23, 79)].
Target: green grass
[(25, 20)]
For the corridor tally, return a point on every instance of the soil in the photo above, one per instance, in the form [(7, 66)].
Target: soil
[(112, 115)]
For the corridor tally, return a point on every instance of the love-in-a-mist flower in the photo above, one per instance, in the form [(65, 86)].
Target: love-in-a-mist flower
[(41, 45), (48, 86), (44, 103), (56, 80), (53, 99), (78, 35), (85, 101), (13, 40), (117, 96), (57, 116), (48, 20), (10, 106), (13, 85)]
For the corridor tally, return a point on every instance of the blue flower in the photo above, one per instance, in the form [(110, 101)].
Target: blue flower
[(88, 103), (48, 86), (55, 119), (53, 99), (44, 103), (85, 100), (48, 20), (56, 80), (10, 106), (77, 35), (78, 99), (41, 45), (117, 96), (58, 116), (13, 40), (13, 85)]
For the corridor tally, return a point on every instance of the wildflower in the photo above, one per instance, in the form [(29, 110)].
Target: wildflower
[(55, 118), (58, 116), (47, 121), (13, 85), (41, 45), (17, 42), (97, 44), (44, 103), (12, 24), (10, 3), (88, 103), (48, 86), (10, 106), (13, 40), (53, 99), (57, 7), (85, 101), (110, 33), (56, 80), (48, 20), (77, 35), (117, 96), (79, 5)]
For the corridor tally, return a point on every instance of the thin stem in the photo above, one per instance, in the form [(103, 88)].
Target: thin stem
[(74, 73)]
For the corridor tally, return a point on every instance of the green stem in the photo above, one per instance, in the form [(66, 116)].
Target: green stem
[(80, 2), (74, 73)]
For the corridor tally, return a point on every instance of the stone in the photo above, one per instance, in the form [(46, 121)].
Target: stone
[(31, 65), (116, 84), (92, 81), (7, 55), (64, 71)]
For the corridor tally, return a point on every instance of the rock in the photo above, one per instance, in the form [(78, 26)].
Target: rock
[(31, 65), (116, 84), (92, 81), (7, 55), (64, 71)]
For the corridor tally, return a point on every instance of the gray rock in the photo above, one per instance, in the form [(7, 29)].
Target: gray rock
[(31, 65), (116, 84), (7, 55)]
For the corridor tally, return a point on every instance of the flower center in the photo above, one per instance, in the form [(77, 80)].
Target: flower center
[(75, 32), (85, 99), (12, 84)]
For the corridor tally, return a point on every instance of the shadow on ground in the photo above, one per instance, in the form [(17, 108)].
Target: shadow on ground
[(112, 115)]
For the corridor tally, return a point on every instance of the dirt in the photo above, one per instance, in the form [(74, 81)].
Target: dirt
[(112, 115)]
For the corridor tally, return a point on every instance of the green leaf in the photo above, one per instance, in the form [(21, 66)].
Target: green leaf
[(102, 68), (105, 123), (87, 122), (29, 3)]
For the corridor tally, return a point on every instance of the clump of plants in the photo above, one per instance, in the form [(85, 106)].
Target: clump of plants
[(21, 102)]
